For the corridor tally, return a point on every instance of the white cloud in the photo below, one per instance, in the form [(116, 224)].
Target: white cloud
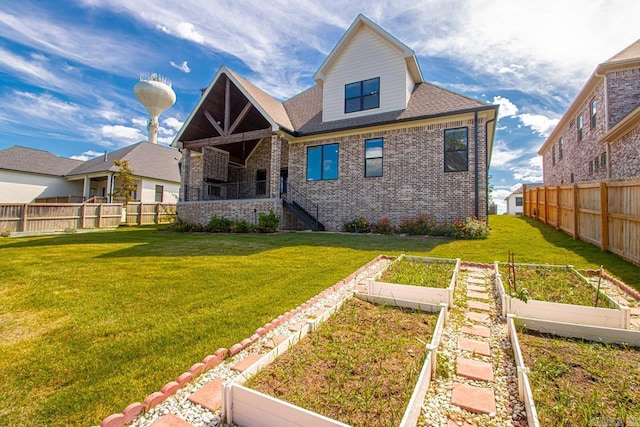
[(34, 71), (511, 69), (173, 123), (540, 124), (184, 30), (502, 155), (507, 108), (530, 171), (182, 67), (90, 154), (123, 134)]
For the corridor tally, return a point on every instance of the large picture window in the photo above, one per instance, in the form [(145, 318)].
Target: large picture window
[(363, 95), (456, 150), (322, 162), (373, 157)]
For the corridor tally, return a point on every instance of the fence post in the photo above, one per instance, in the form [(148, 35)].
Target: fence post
[(100, 215), (140, 214), (83, 216), (558, 207), (526, 206), (157, 220), (575, 211), (604, 216), (23, 220), (546, 205)]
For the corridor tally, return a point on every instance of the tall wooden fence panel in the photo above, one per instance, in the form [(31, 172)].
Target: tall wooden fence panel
[(606, 214), (44, 217)]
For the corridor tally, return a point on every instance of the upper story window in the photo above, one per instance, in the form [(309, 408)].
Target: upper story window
[(553, 155), (373, 157), (518, 201), (363, 95), (456, 150), (322, 162), (560, 154), (593, 114), (579, 126)]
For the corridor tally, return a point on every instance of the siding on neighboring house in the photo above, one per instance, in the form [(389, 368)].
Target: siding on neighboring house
[(367, 56), (22, 187)]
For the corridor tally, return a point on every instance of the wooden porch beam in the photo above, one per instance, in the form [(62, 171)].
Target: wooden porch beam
[(214, 123), (240, 117), (228, 139), (227, 107)]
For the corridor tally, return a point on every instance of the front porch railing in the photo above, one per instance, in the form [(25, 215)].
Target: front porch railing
[(227, 191)]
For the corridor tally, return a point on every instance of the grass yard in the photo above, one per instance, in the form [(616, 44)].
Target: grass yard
[(92, 322), (360, 367), (419, 273), (582, 383)]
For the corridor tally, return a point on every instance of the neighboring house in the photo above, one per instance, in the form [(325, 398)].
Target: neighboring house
[(155, 170), (598, 137), (26, 173), (370, 139), (514, 202)]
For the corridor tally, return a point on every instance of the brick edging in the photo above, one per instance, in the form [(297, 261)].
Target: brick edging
[(136, 409), (619, 283)]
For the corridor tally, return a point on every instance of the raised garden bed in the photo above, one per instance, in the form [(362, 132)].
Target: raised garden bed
[(577, 382), (559, 294), (429, 280), (368, 364)]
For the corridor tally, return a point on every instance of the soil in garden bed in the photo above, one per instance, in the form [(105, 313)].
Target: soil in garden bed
[(555, 285), (582, 383), (419, 273), (360, 367)]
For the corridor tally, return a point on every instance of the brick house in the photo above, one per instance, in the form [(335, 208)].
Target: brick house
[(372, 138), (598, 138)]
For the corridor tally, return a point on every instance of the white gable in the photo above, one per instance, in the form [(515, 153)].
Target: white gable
[(366, 52)]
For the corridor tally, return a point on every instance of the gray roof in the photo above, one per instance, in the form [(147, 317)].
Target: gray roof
[(23, 159), (145, 160), (427, 100)]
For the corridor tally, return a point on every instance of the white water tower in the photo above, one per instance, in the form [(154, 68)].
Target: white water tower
[(155, 93)]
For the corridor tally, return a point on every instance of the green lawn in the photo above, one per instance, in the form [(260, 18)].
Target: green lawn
[(92, 322)]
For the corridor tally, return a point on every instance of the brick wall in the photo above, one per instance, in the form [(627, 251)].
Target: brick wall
[(578, 154), (201, 212), (623, 93), (413, 181), (625, 155), (622, 158)]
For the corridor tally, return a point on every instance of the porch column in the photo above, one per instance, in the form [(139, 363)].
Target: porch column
[(276, 159), (86, 186), (184, 175)]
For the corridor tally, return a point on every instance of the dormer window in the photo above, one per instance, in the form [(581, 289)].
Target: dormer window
[(362, 95)]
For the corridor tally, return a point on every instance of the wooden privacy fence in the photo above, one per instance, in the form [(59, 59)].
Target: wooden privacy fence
[(44, 217), (606, 213)]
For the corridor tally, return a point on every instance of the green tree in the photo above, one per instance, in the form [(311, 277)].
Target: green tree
[(124, 183)]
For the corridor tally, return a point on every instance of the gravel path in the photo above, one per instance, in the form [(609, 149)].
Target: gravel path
[(437, 409)]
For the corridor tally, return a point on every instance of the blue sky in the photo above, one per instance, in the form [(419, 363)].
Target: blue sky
[(67, 68)]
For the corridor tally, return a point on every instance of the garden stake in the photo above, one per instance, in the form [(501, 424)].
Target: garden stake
[(598, 289)]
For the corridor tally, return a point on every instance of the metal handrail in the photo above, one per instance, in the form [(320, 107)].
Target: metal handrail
[(295, 196), (227, 191)]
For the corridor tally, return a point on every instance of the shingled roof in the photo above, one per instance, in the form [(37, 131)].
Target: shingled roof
[(23, 159), (427, 100), (145, 159)]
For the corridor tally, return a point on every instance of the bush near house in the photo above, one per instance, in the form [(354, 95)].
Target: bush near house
[(268, 223), (470, 228)]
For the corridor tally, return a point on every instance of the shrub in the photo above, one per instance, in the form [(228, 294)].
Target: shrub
[(268, 223), (241, 226), (423, 226), (218, 224), (471, 228), (383, 226), (358, 225), (180, 226)]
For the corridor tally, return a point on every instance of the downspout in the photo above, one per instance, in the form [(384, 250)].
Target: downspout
[(475, 132), (486, 150)]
